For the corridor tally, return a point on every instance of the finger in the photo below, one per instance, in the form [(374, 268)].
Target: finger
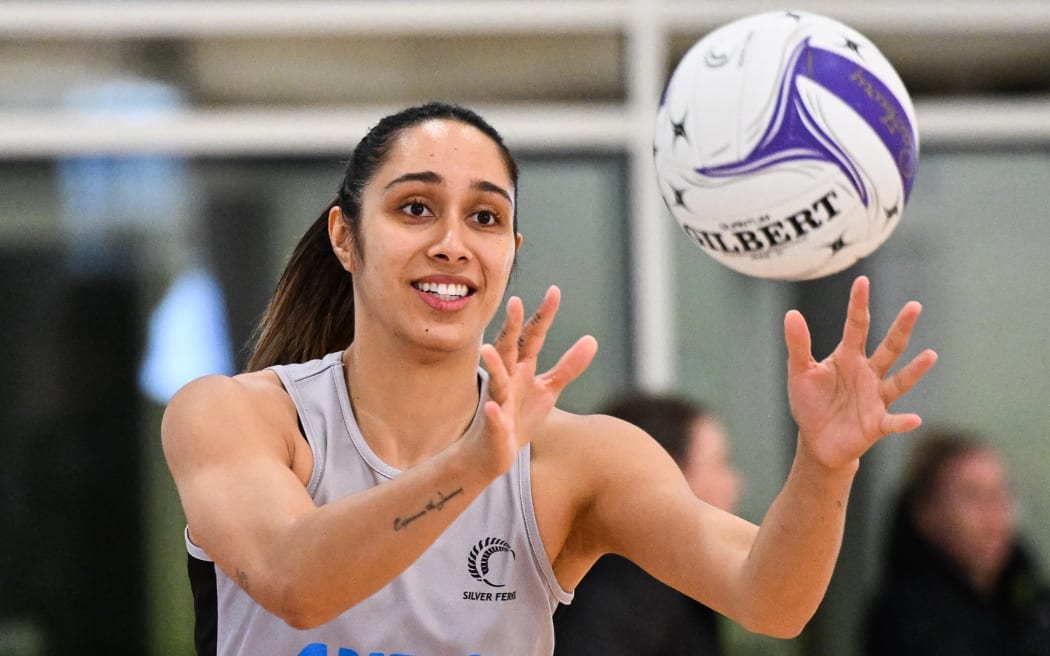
[(901, 423), (896, 340), (858, 318), (499, 374), (571, 364), (498, 426), (534, 333), (901, 382), (798, 341), (506, 341)]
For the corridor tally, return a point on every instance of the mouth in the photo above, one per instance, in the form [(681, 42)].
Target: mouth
[(444, 291)]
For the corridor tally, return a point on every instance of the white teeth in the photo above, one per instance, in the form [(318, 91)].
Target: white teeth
[(444, 291)]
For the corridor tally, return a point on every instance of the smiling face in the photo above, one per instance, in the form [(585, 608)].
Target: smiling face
[(437, 238)]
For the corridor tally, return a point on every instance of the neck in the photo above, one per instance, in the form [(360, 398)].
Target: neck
[(409, 408)]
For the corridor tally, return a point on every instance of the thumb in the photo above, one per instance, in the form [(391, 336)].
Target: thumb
[(571, 364), (798, 341)]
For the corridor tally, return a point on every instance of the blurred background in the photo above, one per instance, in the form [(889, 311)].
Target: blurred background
[(158, 161)]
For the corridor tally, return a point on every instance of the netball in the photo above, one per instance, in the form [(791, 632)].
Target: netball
[(786, 145)]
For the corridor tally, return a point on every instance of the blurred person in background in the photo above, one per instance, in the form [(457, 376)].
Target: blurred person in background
[(618, 608), (958, 579)]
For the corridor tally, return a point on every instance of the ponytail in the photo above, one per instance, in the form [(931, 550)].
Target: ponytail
[(293, 329)]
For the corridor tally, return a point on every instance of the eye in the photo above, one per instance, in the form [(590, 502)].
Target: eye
[(486, 218), (416, 208)]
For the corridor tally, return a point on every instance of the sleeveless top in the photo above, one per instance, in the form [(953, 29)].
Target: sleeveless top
[(484, 588)]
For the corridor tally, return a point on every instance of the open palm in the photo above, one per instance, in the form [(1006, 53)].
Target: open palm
[(841, 404), (521, 398)]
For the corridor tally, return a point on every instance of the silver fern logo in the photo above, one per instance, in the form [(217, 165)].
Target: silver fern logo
[(479, 561)]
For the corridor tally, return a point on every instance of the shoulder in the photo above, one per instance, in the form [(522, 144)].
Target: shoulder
[(213, 407), (584, 430), (599, 444), (216, 393), (599, 447)]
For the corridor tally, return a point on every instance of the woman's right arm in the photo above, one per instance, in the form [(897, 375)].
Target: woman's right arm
[(230, 442), (229, 445)]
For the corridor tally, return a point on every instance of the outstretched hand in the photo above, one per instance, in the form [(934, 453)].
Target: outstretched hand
[(841, 405), (521, 398)]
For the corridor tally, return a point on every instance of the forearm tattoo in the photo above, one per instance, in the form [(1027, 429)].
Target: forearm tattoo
[(402, 522)]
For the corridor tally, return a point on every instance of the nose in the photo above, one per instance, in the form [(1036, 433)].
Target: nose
[(450, 243)]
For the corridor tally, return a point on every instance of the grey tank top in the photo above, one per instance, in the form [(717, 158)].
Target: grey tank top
[(484, 588)]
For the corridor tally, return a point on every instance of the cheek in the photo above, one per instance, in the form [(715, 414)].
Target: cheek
[(502, 262), (510, 248), (965, 529), (385, 254)]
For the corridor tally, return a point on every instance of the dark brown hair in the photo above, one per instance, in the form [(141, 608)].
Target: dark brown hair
[(935, 450), (312, 310)]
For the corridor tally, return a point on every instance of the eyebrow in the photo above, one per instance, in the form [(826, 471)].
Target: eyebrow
[(430, 177)]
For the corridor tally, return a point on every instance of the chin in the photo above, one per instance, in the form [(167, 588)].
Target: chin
[(448, 344)]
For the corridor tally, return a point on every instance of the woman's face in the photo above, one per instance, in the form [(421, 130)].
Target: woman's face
[(970, 515), (708, 466), (437, 238)]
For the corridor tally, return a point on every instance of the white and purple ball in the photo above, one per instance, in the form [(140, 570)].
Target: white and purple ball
[(786, 146)]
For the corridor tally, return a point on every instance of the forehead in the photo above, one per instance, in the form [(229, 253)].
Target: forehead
[(709, 436), (449, 148), (976, 468)]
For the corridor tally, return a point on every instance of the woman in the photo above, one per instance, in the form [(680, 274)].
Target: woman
[(959, 579), (619, 609), (367, 487)]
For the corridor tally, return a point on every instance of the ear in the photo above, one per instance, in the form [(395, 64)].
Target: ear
[(342, 239), (517, 242)]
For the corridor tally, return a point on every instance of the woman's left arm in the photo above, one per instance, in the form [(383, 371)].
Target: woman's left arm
[(842, 408), (769, 578)]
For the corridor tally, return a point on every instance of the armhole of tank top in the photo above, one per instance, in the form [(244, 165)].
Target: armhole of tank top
[(532, 529), (194, 550), (205, 592), (317, 449)]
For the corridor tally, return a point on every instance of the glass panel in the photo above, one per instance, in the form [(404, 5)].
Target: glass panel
[(573, 218)]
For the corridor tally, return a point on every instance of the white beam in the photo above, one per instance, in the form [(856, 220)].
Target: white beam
[(183, 18), (602, 127), (239, 132)]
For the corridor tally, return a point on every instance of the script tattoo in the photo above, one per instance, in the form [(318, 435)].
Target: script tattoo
[(402, 522)]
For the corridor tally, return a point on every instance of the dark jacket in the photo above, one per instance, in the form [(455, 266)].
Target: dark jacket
[(925, 607), (619, 609)]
